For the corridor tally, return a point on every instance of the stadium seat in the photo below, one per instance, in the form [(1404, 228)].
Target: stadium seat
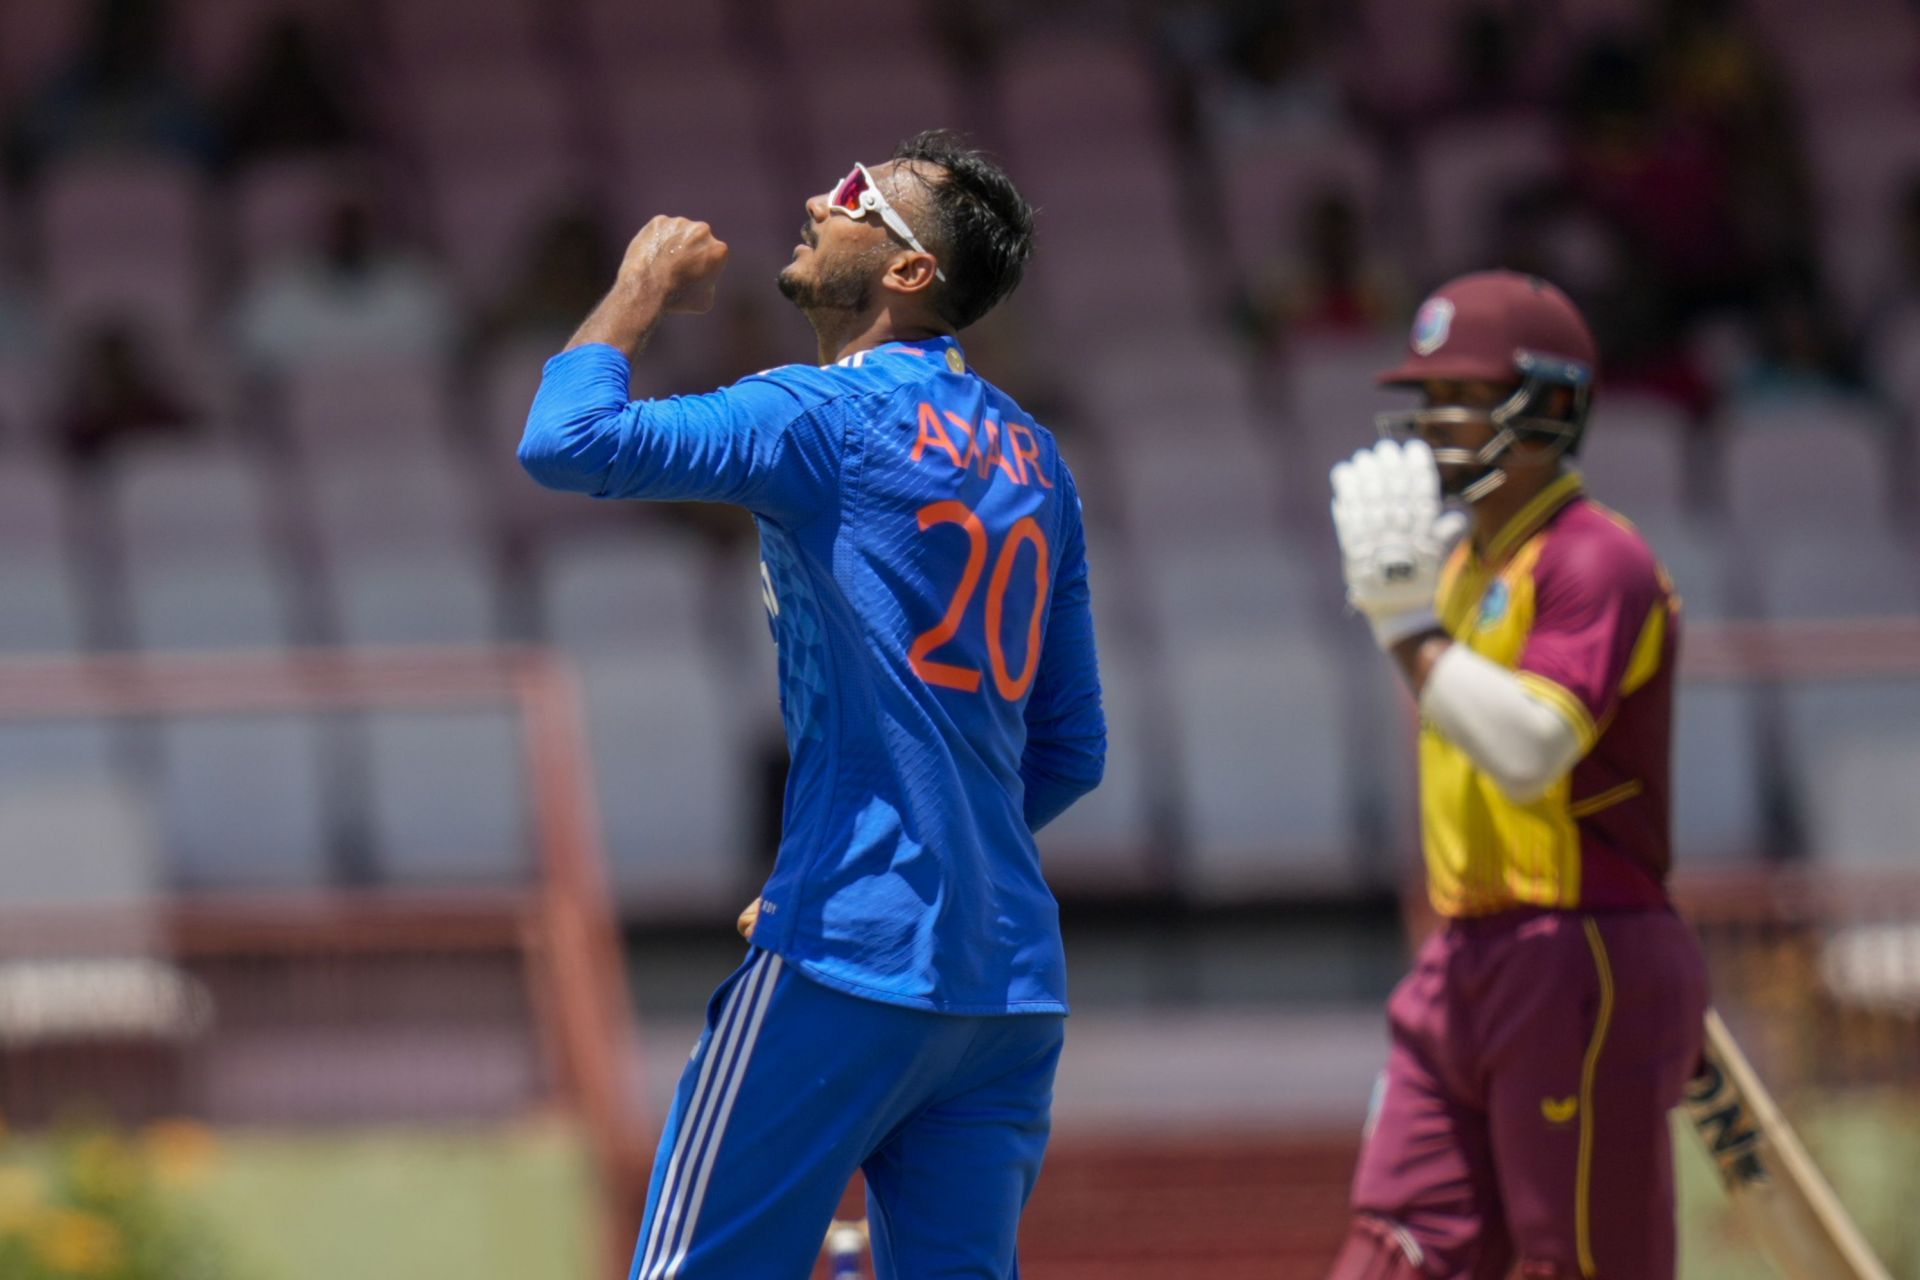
[(1196, 490), (1465, 169), (1271, 180), (1056, 88), (76, 838), (124, 238), (1853, 747), (1807, 464), (280, 205), (238, 598), (367, 407), (860, 107), (426, 34), (635, 592), (668, 160), (178, 500), (424, 595), (55, 753), (1695, 555), (1862, 156), (1634, 458), (240, 801), (1262, 735), (1162, 376), (448, 797), (1836, 574), (672, 783), (26, 400), (1247, 589), (33, 502), (219, 38), (1330, 402), (39, 600), (36, 42), (872, 31), (42, 612), (488, 209), (366, 506), (1718, 776), (621, 36), (1106, 842)]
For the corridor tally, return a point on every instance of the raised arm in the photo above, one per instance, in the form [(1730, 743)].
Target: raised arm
[(751, 444), (672, 265)]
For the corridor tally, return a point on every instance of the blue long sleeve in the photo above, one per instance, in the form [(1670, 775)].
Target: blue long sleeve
[(749, 444), (1066, 751)]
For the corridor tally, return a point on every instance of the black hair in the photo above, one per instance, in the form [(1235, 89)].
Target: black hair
[(983, 228)]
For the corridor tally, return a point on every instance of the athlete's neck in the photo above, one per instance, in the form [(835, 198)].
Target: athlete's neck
[(842, 333), (1495, 512)]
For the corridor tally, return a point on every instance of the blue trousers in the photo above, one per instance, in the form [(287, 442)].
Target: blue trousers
[(793, 1086)]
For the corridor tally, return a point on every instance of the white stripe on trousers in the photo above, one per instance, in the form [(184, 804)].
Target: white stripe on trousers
[(703, 1125)]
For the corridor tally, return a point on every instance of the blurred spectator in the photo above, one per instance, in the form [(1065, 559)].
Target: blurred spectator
[(1329, 283), (354, 295), (569, 264), (1662, 183), (1543, 231), (1799, 351), (118, 95), (1717, 75), (292, 99), (114, 392), (1280, 70), (1894, 328), (1490, 45)]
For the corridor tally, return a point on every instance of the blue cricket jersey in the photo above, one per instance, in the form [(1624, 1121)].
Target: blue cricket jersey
[(926, 578)]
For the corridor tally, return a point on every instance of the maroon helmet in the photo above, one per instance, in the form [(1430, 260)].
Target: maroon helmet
[(1499, 326)]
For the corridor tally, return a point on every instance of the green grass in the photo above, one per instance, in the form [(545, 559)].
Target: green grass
[(517, 1202), (1869, 1148), (489, 1204)]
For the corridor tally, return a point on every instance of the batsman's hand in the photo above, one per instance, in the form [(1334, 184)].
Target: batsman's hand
[(748, 919), (1394, 536), (677, 259)]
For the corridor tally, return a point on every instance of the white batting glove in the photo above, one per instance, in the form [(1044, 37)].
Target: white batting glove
[(1394, 536)]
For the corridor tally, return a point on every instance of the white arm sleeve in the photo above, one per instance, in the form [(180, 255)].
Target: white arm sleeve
[(1521, 742)]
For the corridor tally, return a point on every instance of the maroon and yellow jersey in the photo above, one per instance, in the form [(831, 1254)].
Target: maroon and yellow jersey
[(1571, 599)]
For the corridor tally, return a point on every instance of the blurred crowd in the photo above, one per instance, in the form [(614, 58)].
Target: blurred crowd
[(322, 249)]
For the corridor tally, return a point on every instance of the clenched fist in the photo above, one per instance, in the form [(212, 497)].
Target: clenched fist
[(680, 260)]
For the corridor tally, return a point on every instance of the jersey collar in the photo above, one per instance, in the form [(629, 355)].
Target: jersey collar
[(1529, 519), (944, 349)]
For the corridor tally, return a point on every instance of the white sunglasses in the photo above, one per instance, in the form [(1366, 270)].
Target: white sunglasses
[(857, 194)]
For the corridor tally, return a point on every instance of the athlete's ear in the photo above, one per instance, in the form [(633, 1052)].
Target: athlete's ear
[(910, 272)]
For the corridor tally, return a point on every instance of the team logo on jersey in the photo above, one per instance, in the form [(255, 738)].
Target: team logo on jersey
[(955, 361), (1559, 1110), (1432, 325), (1493, 606)]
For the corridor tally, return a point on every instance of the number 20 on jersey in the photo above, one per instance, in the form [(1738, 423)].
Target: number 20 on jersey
[(1009, 684)]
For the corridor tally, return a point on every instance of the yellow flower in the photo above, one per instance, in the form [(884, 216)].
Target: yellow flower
[(103, 1168), (77, 1243), (179, 1152), (21, 1195)]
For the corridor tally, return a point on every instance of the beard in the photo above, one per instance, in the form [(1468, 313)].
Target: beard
[(842, 285)]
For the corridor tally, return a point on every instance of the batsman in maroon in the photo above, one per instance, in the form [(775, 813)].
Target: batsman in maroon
[(1553, 1021)]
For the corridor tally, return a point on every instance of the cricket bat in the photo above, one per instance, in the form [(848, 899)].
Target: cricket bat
[(1780, 1195)]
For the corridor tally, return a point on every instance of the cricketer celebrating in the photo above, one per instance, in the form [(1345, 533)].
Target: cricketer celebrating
[(1548, 1028), (901, 1007)]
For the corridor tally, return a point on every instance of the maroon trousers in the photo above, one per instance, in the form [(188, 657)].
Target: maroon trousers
[(1523, 1113)]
